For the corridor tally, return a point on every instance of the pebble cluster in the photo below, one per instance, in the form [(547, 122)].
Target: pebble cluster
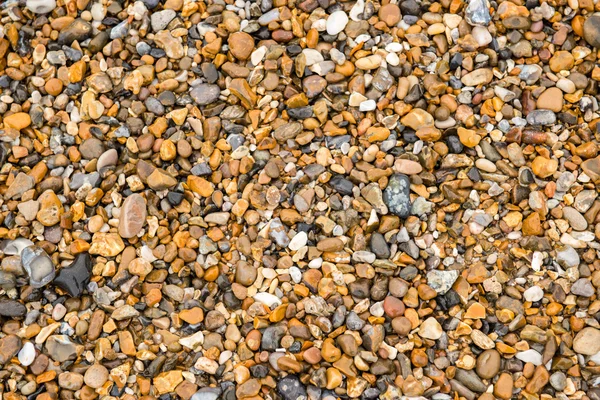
[(299, 199)]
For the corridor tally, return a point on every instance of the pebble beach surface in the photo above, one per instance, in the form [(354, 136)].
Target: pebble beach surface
[(299, 199)]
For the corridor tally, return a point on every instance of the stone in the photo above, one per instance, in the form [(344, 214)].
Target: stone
[(95, 376), (79, 30), (430, 329), (441, 281), (241, 45), (478, 13), (38, 265), (17, 121), (60, 348), (591, 30), (133, 216), (12, 308), (336, 22), (51, 208), (290, 388), (9, 347), (21, 184), (75, 277), (106, 244), (390, 14), (41, 6), (170, 44), (124, 312), (397, 195), (161, 19), (488, 364), (551, 99)]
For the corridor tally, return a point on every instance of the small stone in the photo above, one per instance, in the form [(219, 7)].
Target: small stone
[(106, 244), (17, 121), (60, 348), (96, 376), (74, 278), (336, 22), (27, 354), (431, 329), (591, 30), (533, 294), (290, 388), (12, 308), (161, 19), (9, 347), (397, 195), (298, 241), (488, 364), (124, 312), (241, 45), (133, 216), (551, 99), (79, 30), (41, 6), (390, 14), (478, 13), (38, 265)]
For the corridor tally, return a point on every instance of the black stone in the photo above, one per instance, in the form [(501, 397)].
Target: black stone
[(456, 61), (175, 198), (291, 388), (341, 185), (454, 144), (74, 278)]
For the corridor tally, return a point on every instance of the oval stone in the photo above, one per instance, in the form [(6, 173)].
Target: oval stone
[(133, 216)]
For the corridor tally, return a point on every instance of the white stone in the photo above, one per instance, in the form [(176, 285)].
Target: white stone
[(257, 55), (481, 35), (392, 59), (504, 94), (98, 11), (394, 47), (268, 299), (207, 365), (224, 356), (537, 261), (431, 329), (566, 85), (368, 105), (312, 56), (534, 293), (337, 56), (316, 263), (357, 9), (336, 22), (531, 356), (298, 241), (27, 354), (40, 6), (191, 342), (295, 274)]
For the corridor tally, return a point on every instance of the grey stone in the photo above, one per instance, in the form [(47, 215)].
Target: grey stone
[(205, 94), (38, 265), (161, 19), (397, 195)]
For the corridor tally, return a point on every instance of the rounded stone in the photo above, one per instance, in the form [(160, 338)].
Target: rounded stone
[(96, 376)]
